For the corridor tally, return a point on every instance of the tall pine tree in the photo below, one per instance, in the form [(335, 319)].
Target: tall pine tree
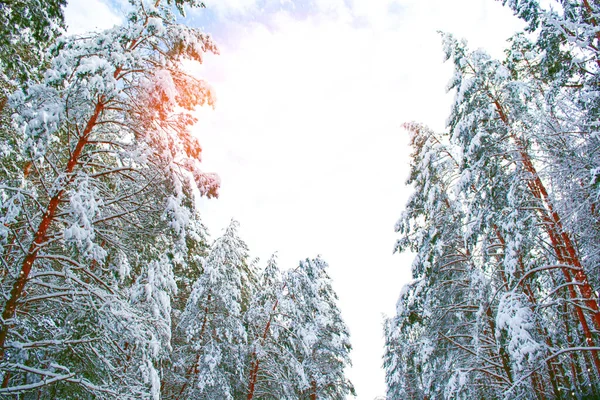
[(519, 203), (102, 167)]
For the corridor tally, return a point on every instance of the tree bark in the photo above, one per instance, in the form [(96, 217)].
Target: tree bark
[(255, 364), (502, 352), (562, 244), (194, 367), (42, 230), (313, 390)]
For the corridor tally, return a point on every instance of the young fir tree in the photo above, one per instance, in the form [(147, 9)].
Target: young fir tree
[(102, 165), (187, 255)]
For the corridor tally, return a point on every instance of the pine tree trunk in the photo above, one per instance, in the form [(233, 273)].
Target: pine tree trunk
[(42, 231), (562, 244), (593, 20), (194, 367), (255, 367), (313, 390), (3, 101), (256, 363), (253, 376), (502, 352)]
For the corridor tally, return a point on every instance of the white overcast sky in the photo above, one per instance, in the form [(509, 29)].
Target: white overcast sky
[(306, 132)]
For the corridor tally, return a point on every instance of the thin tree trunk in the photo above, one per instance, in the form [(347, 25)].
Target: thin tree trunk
[(3, 101), (590, 10), (541, 330), (502, 352), (194, 367), (313, 390), (255, 367)]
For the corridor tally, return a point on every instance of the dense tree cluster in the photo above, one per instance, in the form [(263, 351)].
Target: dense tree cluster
[(504, 222), (267, 334), (109, 285)]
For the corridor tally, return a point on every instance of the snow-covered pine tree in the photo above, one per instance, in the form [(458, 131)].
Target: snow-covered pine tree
[(497, 197), (104, 165), (299, 343), (214, 363), (443, 327), (266, 337), (524, 134), (560, 66), (500, 123), (319, 337)]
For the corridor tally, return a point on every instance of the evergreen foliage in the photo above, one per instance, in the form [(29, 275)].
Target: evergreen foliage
[(99, 174), (504, 223), (110, 286)]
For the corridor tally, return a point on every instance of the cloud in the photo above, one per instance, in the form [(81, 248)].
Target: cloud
[(229, 7), (89, 15)]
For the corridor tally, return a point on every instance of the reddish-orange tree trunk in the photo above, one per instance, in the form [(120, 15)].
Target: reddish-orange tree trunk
[(255, 361), (562, 244), (194, 367), (41, 233)]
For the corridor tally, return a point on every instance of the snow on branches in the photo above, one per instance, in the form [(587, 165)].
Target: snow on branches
[(504, 223)]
